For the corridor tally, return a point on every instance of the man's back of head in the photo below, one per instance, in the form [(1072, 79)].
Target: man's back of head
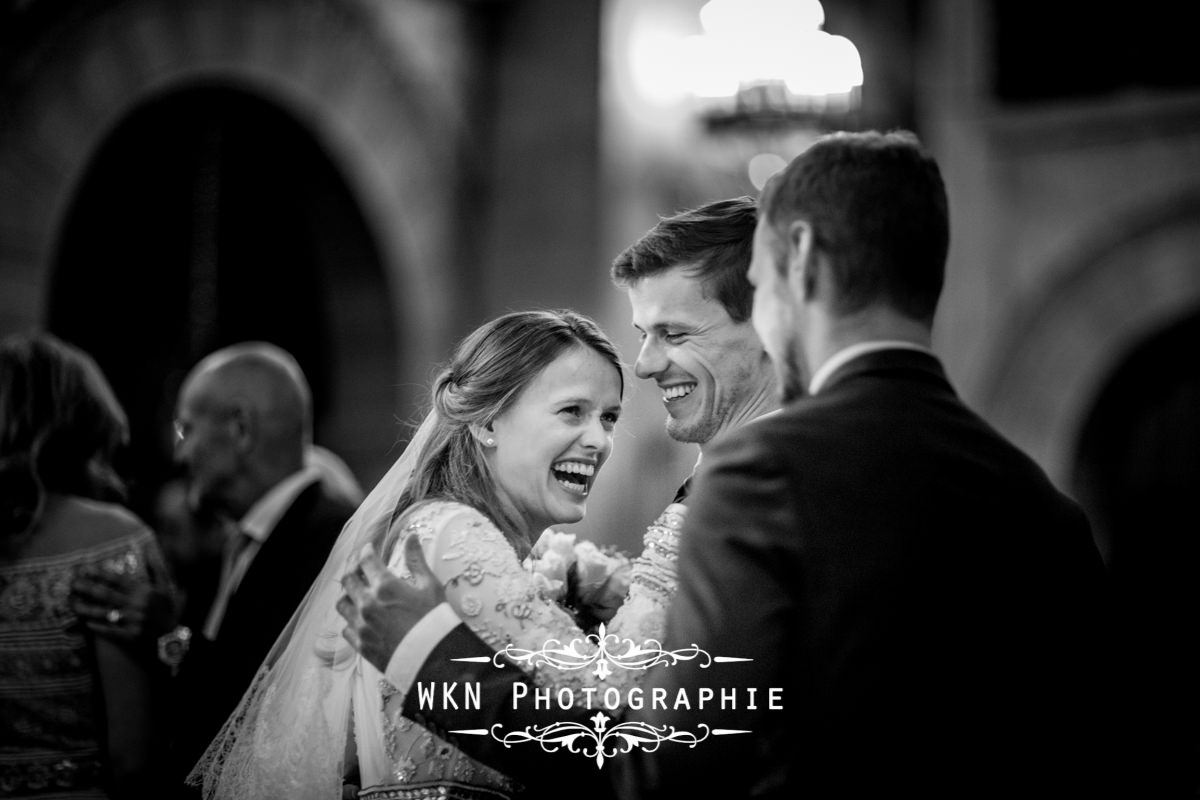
[(878, 209)]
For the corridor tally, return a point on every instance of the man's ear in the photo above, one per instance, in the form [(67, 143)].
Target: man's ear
[(801, 258), (243, 423)]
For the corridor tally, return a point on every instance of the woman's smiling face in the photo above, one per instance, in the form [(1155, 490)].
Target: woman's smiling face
[(552, 441)]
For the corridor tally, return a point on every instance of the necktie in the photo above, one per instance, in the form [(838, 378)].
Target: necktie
[(236, 543)]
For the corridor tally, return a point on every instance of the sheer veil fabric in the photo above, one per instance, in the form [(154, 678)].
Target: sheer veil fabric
[(288, 738)]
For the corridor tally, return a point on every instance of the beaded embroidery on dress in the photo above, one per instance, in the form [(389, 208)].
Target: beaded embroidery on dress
[(51, 739)]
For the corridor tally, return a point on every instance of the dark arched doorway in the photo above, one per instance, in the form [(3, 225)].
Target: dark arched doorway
[(210, 216), (1138, 474)]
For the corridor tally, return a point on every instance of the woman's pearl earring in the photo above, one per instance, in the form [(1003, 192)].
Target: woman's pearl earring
[(489, 441)]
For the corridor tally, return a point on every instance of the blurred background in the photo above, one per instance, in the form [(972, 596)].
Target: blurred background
[(365, 181)]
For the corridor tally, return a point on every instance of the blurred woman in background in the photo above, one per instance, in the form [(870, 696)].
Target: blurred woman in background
[(76, 713)]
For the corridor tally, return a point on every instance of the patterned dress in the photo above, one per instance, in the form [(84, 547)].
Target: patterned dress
[(505, 604), (51, 730)]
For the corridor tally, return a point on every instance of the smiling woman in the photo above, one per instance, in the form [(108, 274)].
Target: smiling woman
[(521, 425), (550, 444), (520, 395)]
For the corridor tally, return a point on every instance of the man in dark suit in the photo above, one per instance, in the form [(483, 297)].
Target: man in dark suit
[(243, 429), (925, 608)]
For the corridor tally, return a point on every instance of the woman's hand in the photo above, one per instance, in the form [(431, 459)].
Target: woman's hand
[(123, 607)]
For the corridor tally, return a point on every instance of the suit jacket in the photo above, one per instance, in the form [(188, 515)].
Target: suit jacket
[(216, 674), (930, 608)]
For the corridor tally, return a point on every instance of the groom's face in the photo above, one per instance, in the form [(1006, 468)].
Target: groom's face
[(709, 368)]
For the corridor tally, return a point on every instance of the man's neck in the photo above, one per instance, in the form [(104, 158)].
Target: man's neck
[(764, 400), (829, 335)]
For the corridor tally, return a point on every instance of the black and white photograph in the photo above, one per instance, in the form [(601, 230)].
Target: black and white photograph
[(590, 399)]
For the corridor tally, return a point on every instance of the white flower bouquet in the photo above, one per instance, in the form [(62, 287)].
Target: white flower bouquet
[(590, 582)]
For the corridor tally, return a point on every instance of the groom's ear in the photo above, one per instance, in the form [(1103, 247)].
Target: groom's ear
[(802, 258)]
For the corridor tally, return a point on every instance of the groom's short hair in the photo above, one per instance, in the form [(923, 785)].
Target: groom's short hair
[(714, 241)]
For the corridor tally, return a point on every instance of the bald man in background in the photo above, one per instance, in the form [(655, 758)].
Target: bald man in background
[(243, 432)]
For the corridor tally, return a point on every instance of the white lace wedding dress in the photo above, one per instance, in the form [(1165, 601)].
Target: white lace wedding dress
[(317, 708), (504, 604)]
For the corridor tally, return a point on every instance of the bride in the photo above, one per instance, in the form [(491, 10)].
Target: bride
[(522, 422)]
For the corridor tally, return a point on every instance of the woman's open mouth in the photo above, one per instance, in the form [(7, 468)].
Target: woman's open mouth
[(574, 476)]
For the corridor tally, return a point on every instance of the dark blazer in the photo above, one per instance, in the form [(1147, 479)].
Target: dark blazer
[(930, 607), (215, 674)]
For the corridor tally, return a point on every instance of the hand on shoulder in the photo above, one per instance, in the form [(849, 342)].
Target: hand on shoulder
[(380, 608)]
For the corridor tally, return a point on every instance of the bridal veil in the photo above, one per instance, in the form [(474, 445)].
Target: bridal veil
[(289, 737)]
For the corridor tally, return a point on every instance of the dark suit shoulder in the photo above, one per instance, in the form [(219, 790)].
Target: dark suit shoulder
[(321, 507), (764, 443), (752, 450), (751, 437), (309, 527)]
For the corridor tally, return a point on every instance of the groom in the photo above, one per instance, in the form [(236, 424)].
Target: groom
[(923, 604), (690, 302)]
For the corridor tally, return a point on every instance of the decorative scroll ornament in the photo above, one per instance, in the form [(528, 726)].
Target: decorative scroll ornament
[(609, 650), (600, 742)]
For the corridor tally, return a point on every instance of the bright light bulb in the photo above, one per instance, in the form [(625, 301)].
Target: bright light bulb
[(750, 42), (847, 61), (824, 64)]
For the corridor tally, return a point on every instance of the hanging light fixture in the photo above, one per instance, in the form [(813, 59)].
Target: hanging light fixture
[(768, 62)]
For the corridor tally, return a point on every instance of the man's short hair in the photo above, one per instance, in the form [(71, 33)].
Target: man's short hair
[(877, 205), (714, 242)]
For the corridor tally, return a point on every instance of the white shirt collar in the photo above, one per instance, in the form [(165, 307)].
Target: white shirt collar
[(260, 520), (848, 354)]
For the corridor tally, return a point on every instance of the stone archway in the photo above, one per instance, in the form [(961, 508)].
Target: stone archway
[(1133, 278), (1099, 382), (336, 70), (209, 216), (1138, 474)]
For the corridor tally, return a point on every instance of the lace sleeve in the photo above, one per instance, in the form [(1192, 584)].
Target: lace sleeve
[(505, 604), (642, 617)]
